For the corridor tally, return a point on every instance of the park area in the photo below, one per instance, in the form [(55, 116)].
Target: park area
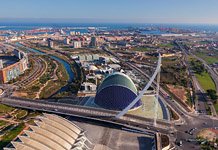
[(12, 123), (205, 81)]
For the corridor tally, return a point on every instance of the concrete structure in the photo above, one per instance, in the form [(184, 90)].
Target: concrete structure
[(104, 60), (12, 71), (115, 66), (106, 70), (92, 68), (88, 87), (76, 44), (93, 57), (137, 99), (116, 92), (51, 132)]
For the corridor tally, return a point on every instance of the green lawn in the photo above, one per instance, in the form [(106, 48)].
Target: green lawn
[(207, 58), (216, 107), (168, 45), (5, 109), (21, 114), (2, 123), (205, 81), (141, 49), (10, 135)]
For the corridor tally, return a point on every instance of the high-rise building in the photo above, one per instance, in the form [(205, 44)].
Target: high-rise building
[(50, 43), (1, 64), (12, 71), (93, 42), (67, 41)]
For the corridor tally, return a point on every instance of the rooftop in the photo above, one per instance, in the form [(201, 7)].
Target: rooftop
[(51, 132), (119, 79)]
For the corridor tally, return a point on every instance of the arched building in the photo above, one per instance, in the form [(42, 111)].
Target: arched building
[(116, 91)]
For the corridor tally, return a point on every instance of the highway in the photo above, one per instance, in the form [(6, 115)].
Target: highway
[(200, 99), (215, 79), (177, 131), (213, 74), (93, 113)]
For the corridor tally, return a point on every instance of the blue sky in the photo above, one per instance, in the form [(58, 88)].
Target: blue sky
[(138, 11)]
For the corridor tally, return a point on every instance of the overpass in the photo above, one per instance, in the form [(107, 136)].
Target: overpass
[(103, 115)]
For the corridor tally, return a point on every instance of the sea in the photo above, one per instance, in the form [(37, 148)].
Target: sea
[(83, 27)]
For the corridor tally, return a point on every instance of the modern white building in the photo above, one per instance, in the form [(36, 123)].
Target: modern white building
[(77, 44), (88, 87), (51, 132)]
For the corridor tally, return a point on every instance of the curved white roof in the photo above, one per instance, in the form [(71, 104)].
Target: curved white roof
[(59, 126), (65, 122), (51, 132), (37, 145), (44, 140), (51, 136), (92, 67), (59, 132), (19, 145)]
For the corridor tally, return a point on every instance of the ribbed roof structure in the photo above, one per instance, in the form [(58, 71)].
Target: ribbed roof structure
[(119, 79), (116, 91), (51, 132)]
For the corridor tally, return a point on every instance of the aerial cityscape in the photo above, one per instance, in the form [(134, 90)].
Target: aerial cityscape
[(108, 75)]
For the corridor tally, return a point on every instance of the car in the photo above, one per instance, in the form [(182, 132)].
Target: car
[(179, 143), (188, 140), (172, 133)]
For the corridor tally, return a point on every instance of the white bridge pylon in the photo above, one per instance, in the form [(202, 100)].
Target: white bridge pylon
[(125, 110)]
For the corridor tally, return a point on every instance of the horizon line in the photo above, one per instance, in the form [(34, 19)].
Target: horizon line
[(94, 20)]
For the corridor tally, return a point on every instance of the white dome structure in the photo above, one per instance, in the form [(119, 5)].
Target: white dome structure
[(92, 68)]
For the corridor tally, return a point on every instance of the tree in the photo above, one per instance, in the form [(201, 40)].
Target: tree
[(212, 94)]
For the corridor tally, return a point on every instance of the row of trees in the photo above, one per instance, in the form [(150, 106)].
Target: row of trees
[(212, 94), (197, 66)]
